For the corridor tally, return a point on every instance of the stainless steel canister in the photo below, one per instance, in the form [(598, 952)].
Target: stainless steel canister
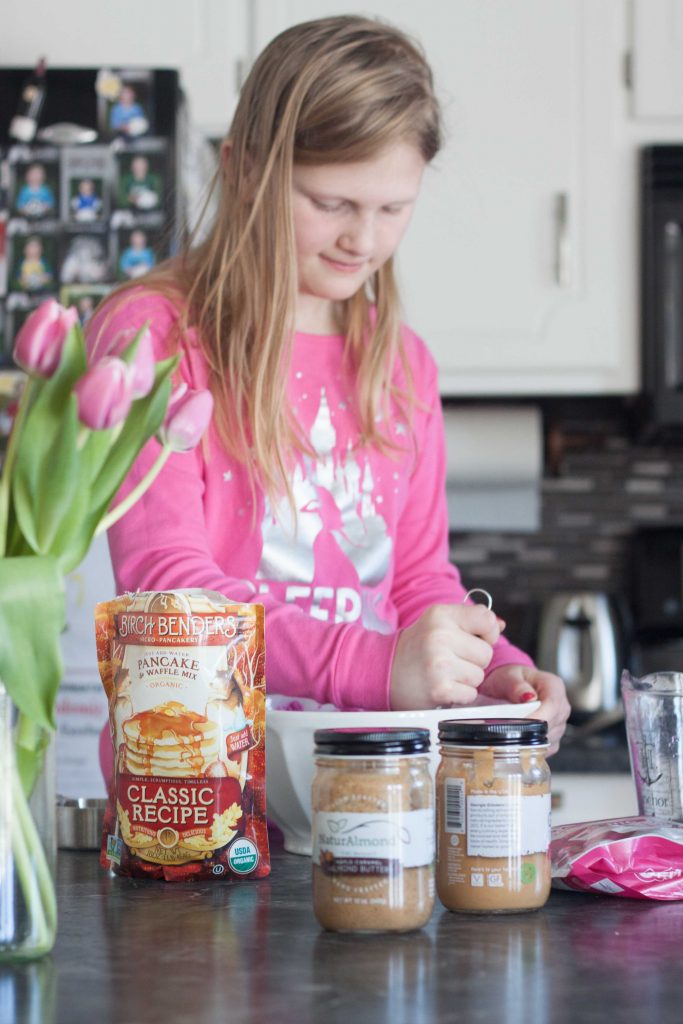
[(79, 823)]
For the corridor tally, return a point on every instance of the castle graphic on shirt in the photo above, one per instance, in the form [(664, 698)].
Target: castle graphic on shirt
[(334, 495)]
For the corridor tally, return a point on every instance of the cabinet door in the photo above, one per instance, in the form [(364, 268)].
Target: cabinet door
[(514, 267), (658, 69)]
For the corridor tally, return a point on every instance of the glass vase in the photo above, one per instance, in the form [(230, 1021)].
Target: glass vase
[(28, 909)]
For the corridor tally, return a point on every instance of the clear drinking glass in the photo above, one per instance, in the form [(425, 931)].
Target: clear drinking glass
[(653, 706), (28, 910)]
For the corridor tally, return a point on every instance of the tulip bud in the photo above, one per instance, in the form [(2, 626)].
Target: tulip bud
[(104, 394), (143, 367), (39, 343), (187, 417)]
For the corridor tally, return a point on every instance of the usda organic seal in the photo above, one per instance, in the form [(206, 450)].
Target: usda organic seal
[(243, 856)]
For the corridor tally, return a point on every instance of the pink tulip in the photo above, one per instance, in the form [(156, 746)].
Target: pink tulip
[(187, 417), (39, 343), (105, 394), (143, 365)]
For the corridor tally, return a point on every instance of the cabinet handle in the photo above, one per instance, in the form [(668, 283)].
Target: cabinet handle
[(563, 276)]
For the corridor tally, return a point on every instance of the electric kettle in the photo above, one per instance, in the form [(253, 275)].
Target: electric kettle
[(580, 639)]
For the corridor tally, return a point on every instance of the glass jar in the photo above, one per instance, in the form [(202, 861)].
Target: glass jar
[(493, 815), (373, 829)]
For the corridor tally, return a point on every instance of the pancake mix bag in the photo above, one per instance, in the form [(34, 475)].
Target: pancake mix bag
[(183, 671)]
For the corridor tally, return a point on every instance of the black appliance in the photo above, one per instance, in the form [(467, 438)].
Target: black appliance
[(70, 96), (658, 600), (662, 286), (83, 211)]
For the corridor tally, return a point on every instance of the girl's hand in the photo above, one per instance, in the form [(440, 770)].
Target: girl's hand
[(521, 683), (440, 659)]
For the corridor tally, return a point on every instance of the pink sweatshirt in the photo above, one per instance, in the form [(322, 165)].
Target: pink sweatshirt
[(370, 550)]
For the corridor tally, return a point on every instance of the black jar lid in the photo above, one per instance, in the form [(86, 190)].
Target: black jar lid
[(495, 732), (376, 742)]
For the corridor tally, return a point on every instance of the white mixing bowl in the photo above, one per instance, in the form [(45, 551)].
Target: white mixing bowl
[(290, 724)]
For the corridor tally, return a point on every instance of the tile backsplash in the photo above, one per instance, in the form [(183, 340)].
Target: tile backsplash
[(601, 483)]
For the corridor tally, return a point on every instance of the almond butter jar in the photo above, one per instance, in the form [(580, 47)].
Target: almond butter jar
[(493, 815), (373, 829)]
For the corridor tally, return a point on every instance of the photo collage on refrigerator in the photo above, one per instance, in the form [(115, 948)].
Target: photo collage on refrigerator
[(78, 220)]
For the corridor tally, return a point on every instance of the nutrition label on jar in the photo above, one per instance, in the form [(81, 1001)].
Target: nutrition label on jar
[(498, 826)]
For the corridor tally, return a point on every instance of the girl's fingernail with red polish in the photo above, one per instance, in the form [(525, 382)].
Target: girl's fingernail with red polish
[(526, 697)]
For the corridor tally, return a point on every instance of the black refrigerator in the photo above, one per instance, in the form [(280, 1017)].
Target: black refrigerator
[(92, 200)]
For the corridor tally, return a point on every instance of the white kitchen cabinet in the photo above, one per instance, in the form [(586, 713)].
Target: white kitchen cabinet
[(519, 268), (591, 796), (656, 64)]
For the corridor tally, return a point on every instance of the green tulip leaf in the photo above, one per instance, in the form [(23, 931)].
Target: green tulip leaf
[(95, 446), (59, 481), (44, 474), (130, 351), (73, 541), (30, 747), (32, 613)]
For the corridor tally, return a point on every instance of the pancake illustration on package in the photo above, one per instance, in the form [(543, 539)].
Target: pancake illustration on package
[(169, 740), (184, 676)]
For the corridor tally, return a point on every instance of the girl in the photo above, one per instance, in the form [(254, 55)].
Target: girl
[(320, 490)]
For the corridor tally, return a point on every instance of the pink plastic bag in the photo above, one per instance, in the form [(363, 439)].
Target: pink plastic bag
[(639, 858)]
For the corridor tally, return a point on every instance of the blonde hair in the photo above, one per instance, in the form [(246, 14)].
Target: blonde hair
[(334, 90)]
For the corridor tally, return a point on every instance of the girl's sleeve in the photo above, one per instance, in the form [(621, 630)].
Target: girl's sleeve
[(162, 543), (424, 575)]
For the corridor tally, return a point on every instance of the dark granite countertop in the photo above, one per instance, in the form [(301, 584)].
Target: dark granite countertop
[(136, 952), (590, 756), (605, 750)]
